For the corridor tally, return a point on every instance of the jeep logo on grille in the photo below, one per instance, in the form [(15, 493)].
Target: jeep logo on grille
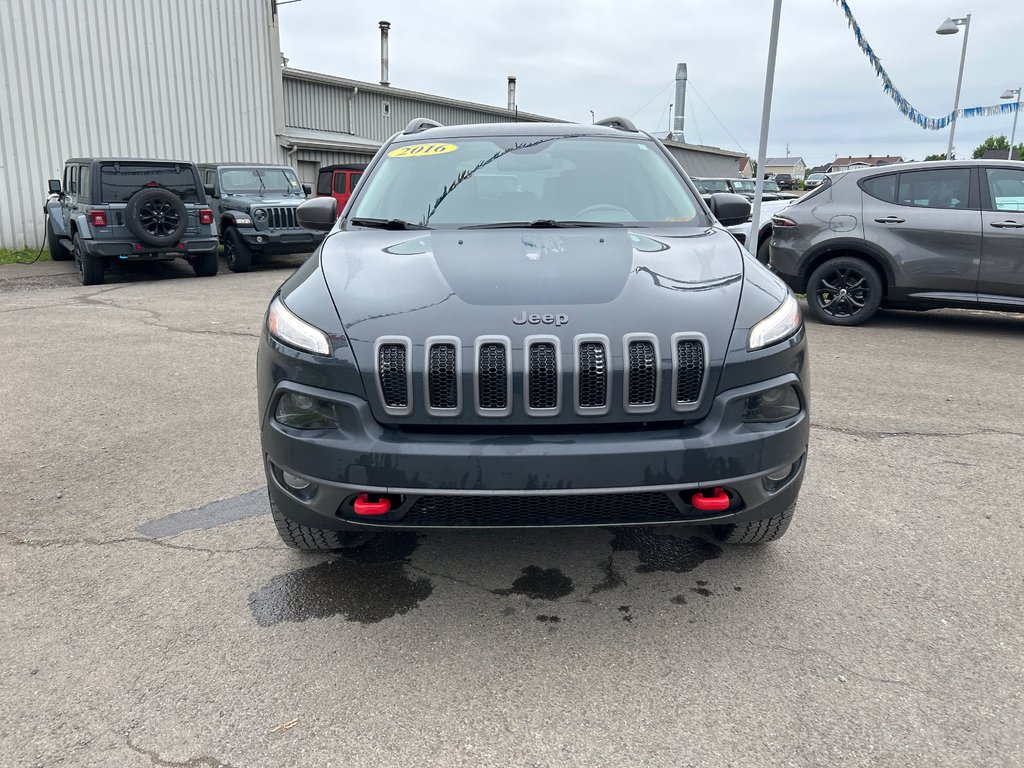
[(555, 320)]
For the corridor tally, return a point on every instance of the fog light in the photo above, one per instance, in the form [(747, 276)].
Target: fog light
[(295, 482), (305, 412), (776, 404), (780, 475), (259, 238)]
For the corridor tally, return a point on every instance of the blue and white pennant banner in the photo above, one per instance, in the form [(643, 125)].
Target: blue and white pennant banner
[(904, 106)]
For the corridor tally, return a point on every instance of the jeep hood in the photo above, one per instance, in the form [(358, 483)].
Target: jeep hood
[(470, 283)]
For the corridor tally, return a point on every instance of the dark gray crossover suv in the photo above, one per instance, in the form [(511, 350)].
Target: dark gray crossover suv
[(530, 325), (912, 236)]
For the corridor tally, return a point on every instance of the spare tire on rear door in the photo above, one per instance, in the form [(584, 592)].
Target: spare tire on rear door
[(156, 216)]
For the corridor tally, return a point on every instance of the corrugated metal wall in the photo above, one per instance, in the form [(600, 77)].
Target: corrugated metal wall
[(325, 106), (188, 79), (709, 164)]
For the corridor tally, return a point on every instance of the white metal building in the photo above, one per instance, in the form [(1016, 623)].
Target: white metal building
[(197, 80)]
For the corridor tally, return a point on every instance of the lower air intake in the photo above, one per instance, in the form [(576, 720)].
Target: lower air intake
[(580, 509)]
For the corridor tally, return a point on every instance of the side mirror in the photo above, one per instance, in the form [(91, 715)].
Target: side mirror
[(53, 185), (318, 214), (729, 209), (211, 191), (307, 190)]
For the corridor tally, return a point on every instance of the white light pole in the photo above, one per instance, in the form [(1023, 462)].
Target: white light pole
[(762, 147), (1012, 93), (951, 27)]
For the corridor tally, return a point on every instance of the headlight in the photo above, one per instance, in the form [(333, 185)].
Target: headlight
[(305, 412), (779, 325), (294, 332), (776, 404), (260, 214)]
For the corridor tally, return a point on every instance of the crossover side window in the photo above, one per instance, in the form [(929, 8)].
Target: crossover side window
[(942, 188), (1006, 188), (881, 187)]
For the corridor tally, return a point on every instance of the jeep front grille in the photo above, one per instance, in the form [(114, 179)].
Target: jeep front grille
[(282, 218), (393, 375), (539, 383)]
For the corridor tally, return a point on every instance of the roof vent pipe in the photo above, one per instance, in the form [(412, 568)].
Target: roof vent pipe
[(511, 93), (384, 27), (679, 110)]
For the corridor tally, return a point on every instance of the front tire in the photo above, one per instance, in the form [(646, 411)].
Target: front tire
[(90, 268), (236, 251), (314, 539), (57, 251), (756, 531), (844, 291), (206, 265)]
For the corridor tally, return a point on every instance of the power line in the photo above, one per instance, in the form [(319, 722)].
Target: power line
[(651, 99), (693, 117), (697, 93)]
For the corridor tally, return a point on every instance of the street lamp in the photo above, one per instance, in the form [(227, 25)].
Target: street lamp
[(1012, 93), (951, 27)]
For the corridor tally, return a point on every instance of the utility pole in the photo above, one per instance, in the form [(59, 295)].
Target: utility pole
[(762, 147)]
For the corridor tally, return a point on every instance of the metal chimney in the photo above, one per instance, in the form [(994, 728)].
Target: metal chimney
[(384, 27), (511, 93), (679, 111)]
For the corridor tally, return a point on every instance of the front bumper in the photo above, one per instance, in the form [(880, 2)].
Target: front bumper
[(361, 456), (282, 241), (131, 250)]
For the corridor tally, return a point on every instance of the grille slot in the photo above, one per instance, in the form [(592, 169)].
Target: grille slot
[(569, 509), (690, 367), (492, 379), (542, 395), (393, 375), (642, 371), (443, 390), (282, 218), (592, 375)]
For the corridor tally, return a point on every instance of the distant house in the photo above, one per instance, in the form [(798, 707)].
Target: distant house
[(795, 166), (819, 169), (853, 163), (746, 167)]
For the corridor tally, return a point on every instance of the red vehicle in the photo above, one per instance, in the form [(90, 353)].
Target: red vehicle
[(338, 181)]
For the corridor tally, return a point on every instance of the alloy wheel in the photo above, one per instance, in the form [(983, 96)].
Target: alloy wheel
[(843, 292), (158, 218)]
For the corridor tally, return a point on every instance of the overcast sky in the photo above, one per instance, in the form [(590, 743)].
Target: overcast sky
[(619, 58)]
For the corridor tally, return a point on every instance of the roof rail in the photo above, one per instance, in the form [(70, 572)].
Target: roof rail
[(619, 124), (418, 124)]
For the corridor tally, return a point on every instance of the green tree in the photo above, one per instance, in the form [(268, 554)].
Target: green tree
[(998, 142), (936, 157)]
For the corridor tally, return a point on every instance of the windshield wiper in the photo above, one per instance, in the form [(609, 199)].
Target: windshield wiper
[(542, 224), (386, 224)]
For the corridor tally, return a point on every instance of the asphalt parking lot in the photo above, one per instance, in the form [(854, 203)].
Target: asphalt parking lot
[(151, 616)]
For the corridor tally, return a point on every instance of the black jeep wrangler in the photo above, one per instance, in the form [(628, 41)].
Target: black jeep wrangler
[(255, 207), (108, 209)]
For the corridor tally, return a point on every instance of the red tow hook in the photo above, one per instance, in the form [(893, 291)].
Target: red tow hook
[(363, 505), (717, 501)]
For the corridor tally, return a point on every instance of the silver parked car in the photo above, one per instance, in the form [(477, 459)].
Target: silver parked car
[(814, 180), (911, 236)]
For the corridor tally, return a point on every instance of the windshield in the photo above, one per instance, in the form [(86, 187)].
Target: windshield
[(770, 185), (708, 186), (493, 180), (278, 181), (119, 181), (816, 177), (742, 185)]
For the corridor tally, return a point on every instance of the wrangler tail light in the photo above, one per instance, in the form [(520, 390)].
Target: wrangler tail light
[(205, 216), (98, 218)]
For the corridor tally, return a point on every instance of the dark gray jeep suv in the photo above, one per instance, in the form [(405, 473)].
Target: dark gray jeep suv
[(255, 207), (107, 209), (530, 325), (912, 236)]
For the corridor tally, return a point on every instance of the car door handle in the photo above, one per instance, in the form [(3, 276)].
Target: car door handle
[(1007, 225), (891, 220)]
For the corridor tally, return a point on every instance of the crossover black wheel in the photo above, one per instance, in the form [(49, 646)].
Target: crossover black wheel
[(844, 291), (314, 539), (206, 265), (156, 216), (756, 531), (763, 254), (57, 251), (90, 268), (237, 251)]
